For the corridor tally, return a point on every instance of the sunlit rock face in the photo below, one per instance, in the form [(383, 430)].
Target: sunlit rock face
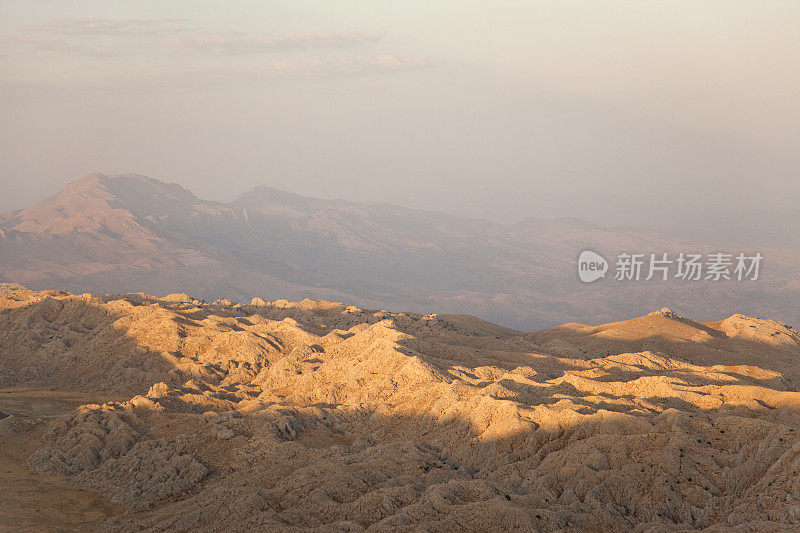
[(323, 415)]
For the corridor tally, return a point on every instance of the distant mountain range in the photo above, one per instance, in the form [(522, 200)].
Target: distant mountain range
[(132, 233)]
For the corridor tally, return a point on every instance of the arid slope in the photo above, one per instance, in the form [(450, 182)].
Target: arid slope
[(130, 233), (319, 415)]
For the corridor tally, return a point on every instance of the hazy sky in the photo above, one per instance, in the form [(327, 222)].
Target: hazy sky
[(611, 110)]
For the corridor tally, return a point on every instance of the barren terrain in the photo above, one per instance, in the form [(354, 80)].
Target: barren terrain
[(133, 412), (130, 233)]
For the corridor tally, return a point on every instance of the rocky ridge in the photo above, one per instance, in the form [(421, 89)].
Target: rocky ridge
[(131, 233), (319, 415)]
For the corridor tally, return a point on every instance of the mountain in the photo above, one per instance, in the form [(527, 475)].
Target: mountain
[(132, 233), (129, 412)]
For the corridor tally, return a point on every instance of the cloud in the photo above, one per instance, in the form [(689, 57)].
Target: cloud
[(386, 61), (281, 71), (214, 79), (47, 46), (97, 36), (192, 54), (94, 26), (258, 44), (345, 66), (372, 64), (203, 80), (90, 37)]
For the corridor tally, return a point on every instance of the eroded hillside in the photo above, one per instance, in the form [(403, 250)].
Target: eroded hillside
[(130, 233), (319, 415)]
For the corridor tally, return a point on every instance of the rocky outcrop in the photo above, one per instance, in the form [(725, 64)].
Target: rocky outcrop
[(320, 415)]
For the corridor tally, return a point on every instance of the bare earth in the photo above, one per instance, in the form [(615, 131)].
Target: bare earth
[(132, 412), (36, 502)]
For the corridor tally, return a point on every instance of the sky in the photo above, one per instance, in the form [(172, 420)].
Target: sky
[(616, 112)]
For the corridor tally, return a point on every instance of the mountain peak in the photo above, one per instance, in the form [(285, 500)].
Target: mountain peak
[(98, 201), (99, 229), (666, 312), (112, 188), (269, 200), (267, 192)]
